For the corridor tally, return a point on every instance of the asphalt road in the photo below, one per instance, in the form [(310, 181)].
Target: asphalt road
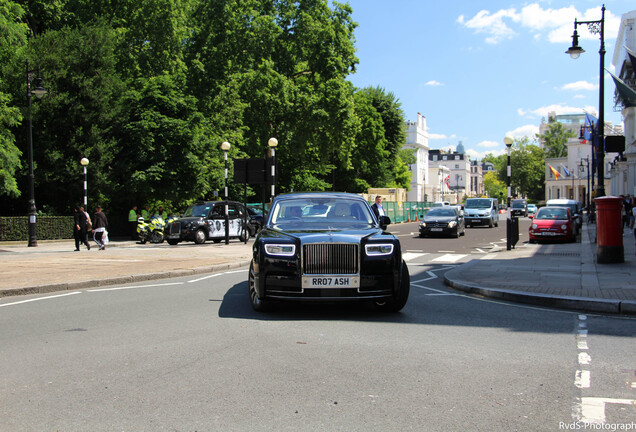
[(189, 354)]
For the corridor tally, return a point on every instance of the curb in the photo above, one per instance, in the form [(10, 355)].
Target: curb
[(118, 280), (584, 304)]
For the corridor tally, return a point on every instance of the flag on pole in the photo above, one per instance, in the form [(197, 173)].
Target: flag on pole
[(565, 170), (555, 173)]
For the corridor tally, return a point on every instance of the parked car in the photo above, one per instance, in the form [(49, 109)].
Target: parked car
[(519, 207), (481, 211), (303, 254), (205, 220), (255, 221), (552, 224), (447, 220), (532, 209), (575, 209)]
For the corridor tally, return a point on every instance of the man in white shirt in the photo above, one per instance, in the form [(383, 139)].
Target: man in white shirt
[(377, 207)]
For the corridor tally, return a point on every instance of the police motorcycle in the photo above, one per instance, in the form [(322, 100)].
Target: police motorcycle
[(150, 231)]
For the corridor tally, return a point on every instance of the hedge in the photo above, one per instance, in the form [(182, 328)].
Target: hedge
[(46, 228)]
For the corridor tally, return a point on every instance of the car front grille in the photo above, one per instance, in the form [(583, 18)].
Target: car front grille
[(437, 224), (173, 228), (330, 258)]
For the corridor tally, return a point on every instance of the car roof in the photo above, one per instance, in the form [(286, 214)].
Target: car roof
[(314, 195), (561, 201)]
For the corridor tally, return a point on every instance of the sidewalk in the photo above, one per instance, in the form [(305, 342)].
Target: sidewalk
[(559, 275), (55, 266)]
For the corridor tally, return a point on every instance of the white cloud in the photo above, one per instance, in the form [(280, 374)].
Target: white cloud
[(580, 85), (554, 25), (558, 109), (492, 25), (435, 136), (529, 131), (488, 144), (434, 83), (475, 155)]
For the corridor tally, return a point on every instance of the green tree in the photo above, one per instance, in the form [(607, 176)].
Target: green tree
[(527, 168), (12, 38), (555, 140), (494, 187)]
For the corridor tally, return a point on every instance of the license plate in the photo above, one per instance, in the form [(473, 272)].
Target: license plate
[(549, 234), (331, 282), (437, 229)]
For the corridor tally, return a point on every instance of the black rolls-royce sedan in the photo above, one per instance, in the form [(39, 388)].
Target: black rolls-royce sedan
[(327, 246)]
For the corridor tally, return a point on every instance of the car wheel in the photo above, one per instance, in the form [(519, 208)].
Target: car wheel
[(397, 302), (173, 242), (456, 234), (258, 304), (199, 236), (490, 223), (464, 230), (245, 235)]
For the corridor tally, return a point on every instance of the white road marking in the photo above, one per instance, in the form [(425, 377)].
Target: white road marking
[(41, 298), (215, 275), (584, 358), (593, 408), (449, 258), (409, 256), (480, 250), (436, 291), (582, 379)]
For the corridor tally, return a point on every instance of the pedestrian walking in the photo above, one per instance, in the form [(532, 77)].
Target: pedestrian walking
[(132, 222), (99, 229), (79, 228)]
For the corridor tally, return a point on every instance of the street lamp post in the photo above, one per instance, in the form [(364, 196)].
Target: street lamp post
[(508, 141), (39, 92), (272, 143), (226, 147), (457, 179), (596, 27), (84, 163)]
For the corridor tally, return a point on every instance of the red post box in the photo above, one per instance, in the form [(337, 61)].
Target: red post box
[(609, 230)]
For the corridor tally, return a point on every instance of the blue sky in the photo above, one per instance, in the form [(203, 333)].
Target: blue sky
[(478, 70)]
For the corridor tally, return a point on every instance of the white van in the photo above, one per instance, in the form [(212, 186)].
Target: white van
[(481, 211), (441, 204)]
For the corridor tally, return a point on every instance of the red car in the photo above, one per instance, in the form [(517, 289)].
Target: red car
[(552, 223)]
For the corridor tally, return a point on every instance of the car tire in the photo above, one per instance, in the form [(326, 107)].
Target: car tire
[(397, 302), (491, 223), (258, 304), (245, 235), (200, 237), (463, 230), (173, 242)]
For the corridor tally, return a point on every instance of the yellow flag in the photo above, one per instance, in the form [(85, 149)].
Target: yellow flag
[(555, 173)]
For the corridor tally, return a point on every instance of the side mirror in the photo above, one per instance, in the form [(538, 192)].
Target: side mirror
[(384, 222), (531, 216)]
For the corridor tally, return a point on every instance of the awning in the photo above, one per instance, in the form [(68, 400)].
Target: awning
[(627, 94)]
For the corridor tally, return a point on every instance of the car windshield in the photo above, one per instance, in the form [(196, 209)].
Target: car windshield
[(572, 207), (477, 203), (441, 212), (197, 210), (552, 213), (321, 212), (518, 204)]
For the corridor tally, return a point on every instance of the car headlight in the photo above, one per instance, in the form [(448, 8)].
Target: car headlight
[(564, 227), (280, 249), (452, 224), (379, 249), (423, 225), (534, 226)]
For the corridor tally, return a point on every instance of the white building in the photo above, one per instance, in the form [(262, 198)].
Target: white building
[(417, 140), (623, 170)]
